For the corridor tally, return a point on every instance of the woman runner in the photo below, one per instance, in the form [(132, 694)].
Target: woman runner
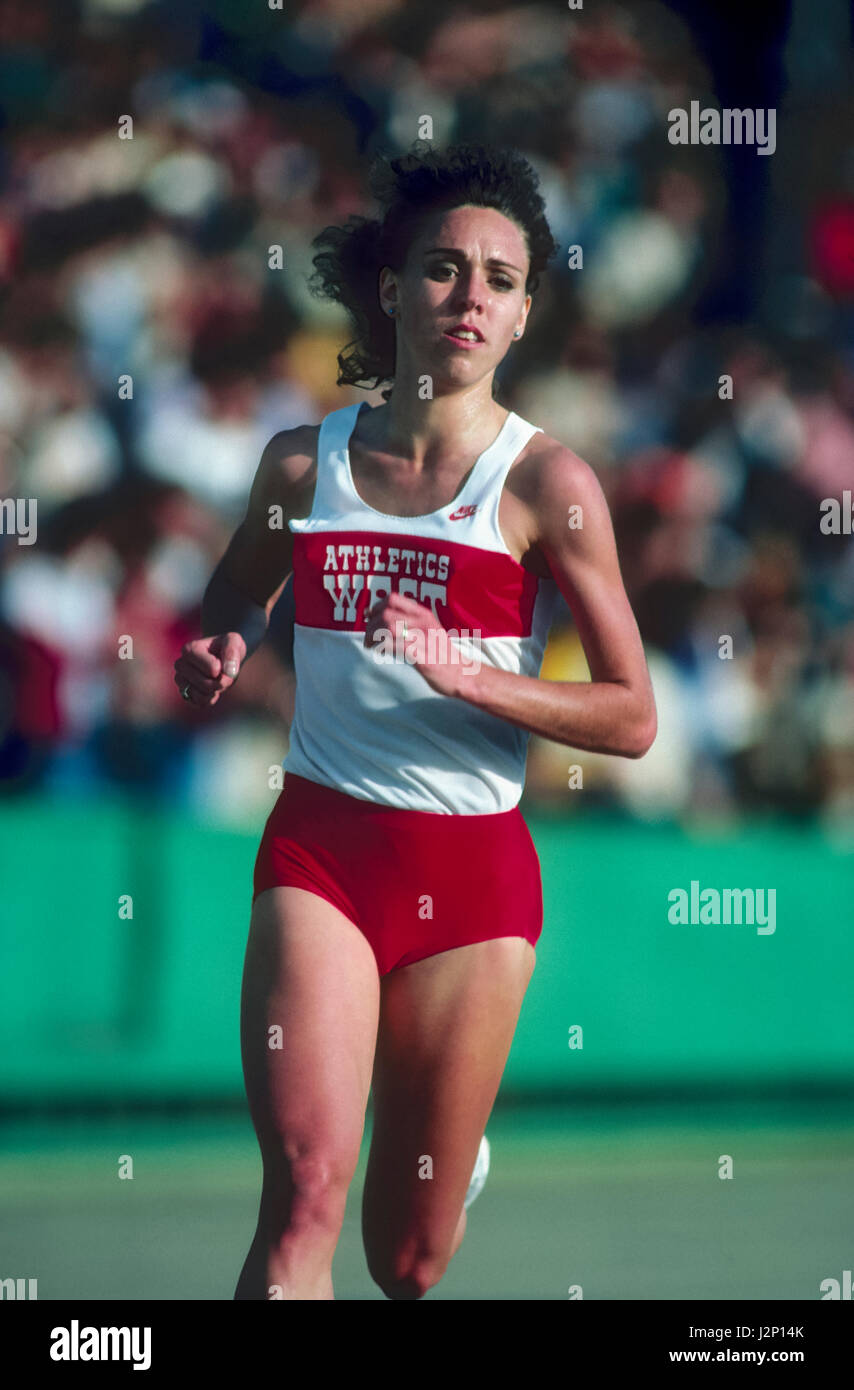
[(397, 895)]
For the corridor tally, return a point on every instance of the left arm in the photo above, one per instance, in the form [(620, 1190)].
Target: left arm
[(613, 712)]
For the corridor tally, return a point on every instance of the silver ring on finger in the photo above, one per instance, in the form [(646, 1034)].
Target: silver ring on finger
[(185, 692)]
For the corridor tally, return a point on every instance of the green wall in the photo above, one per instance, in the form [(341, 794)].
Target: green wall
[(95, 1006)]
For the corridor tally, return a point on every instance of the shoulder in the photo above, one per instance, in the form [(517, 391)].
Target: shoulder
[(291, 455), (286, 474), (550, 477)]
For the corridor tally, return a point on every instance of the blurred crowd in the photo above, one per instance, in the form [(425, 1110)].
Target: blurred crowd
[(151, 345)]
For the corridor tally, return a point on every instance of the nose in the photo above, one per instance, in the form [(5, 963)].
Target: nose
[(470, 289)]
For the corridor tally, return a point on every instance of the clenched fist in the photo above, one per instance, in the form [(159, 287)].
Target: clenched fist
[(208, 666)]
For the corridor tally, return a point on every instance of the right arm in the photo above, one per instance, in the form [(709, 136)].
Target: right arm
[(253, 571)]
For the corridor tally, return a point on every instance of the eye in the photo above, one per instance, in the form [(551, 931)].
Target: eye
[(500, 280)]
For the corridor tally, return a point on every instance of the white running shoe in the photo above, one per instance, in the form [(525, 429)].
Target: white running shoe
[(478, 1177)]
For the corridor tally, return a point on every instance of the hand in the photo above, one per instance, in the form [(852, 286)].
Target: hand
[(209, 666), (386, 619)]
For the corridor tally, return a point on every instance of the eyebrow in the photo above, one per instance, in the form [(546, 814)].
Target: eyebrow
[(459, 255)]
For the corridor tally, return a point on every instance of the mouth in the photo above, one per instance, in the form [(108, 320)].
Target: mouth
[(464, 337)]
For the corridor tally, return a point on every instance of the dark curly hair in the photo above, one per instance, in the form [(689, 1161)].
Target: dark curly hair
[(408, 188)]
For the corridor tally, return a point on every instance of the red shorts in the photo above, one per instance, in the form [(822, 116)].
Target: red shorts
[(414, 882)]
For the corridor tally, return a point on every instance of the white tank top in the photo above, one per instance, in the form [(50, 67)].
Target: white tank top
[(376, 729)]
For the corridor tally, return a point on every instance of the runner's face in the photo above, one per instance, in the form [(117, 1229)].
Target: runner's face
[(467, 266)]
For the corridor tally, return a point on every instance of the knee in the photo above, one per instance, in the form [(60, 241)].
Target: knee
[(306, 1186)]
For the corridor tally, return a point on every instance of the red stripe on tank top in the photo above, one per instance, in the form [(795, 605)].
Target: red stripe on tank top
[(339, 574)]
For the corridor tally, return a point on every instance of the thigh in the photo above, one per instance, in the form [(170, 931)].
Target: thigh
[(309, 1015), (445, 1030)]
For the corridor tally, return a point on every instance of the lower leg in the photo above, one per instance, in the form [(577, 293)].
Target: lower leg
[(291, 1259), (283, 1271)]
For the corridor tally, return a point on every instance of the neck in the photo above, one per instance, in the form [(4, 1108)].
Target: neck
[(425, 432)]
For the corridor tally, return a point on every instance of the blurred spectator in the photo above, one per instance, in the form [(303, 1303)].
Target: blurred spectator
[(157, 330)]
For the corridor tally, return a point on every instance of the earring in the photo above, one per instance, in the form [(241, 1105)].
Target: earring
[(517, 333)]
